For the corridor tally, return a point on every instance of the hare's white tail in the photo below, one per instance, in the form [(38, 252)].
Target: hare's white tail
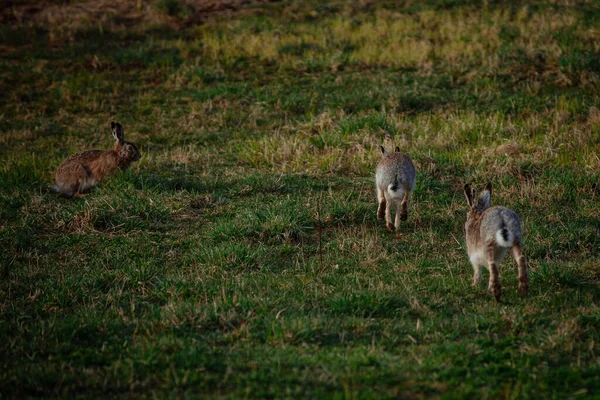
[(395, 190), (505, 237)]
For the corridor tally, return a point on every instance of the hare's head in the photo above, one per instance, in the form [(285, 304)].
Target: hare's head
[(385, 153), (483, 201), (126, 151)]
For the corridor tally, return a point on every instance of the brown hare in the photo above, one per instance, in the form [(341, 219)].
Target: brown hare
[(84, 170), (490, 232), (395, 178)]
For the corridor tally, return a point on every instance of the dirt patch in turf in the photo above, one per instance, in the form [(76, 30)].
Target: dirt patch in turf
[(125, 13)]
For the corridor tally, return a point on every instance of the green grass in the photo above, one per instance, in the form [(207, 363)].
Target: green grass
[(242, 256)]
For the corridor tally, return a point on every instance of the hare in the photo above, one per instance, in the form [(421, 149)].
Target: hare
[(395, 179), (84, 170), (490, 232)]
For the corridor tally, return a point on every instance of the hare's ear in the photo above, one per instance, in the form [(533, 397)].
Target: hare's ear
[(485, 197), (117, 131), (469, 195), (383, 152), (397, 149)]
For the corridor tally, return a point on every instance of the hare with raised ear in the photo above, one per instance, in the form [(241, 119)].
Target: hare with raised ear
[(395, 178), (490, 232), (84, 170)]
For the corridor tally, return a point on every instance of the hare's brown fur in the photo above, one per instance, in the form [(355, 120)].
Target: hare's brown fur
[(395, 177), (86, 169), (490, 232)]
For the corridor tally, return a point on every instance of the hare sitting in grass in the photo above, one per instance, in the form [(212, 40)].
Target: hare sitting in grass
[(490, 232), (84, 170), (395, 178)]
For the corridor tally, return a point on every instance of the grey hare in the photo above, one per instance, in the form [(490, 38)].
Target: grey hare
[(395, 177), (84, 170), (490, 232)]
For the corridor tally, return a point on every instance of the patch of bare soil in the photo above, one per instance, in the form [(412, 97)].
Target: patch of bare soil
[(126, 12)]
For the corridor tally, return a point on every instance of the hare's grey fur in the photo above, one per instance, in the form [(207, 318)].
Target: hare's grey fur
[(395, 178), (84, 170), (490, 232)]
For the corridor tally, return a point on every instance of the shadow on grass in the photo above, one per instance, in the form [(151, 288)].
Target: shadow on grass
[(169, 184), (368, 305), (238, 187), (564, 276)]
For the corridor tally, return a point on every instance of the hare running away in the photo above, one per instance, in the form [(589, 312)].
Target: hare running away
[(84, 170), (490, 232), (395, 177)]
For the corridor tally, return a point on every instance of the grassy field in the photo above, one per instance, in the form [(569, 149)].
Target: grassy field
[(241, 257)]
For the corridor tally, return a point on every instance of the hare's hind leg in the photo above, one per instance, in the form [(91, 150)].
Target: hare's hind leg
[(522, 265), (404, 206), (63, 189), (494, 283), (81, 187), (399, 214), (382, 203), (83, 182), (476, 274), (388, 213), (78, 188)]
